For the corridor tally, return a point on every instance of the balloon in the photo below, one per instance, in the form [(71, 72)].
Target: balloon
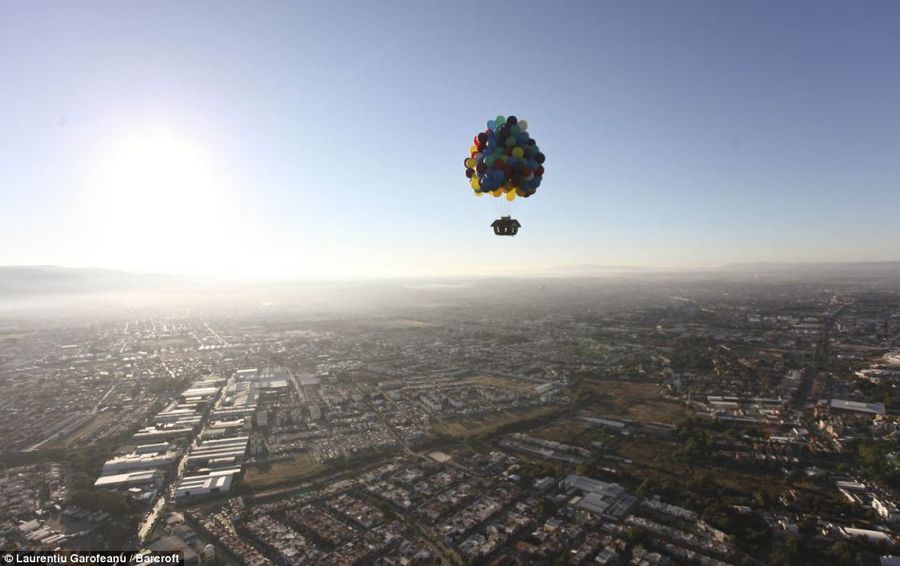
[(505, 160)]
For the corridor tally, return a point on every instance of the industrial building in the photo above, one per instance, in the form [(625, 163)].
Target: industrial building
[(211, 483), (141, 478), (134, 461), (598, 497), (218, 452)]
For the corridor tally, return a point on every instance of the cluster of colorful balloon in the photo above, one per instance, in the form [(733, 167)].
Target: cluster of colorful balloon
[(505, 160)]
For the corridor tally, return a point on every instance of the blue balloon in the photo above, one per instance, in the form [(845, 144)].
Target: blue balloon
[(522, 138), (490, 124)]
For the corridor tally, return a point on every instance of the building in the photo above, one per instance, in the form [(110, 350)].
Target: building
[(218, 452), (142, 478), (211, 483), (130, 462), (886, 508), (598, 497), (857, 406)]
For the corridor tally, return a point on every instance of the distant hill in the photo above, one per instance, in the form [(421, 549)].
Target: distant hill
[(22, 280), (589, 268), (848, 269)]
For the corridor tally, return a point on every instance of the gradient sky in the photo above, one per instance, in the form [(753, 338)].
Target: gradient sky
[(330, 136)]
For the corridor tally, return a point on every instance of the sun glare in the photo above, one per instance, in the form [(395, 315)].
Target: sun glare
[(160, 205)]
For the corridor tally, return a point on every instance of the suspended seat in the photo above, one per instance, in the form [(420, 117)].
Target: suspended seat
[(506, 226)]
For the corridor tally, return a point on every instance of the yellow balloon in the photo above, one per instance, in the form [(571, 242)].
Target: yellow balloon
[(511, 195), (475, 184), (473, 149), (470, 163), (523, 125), (518, 152), (497, 193)]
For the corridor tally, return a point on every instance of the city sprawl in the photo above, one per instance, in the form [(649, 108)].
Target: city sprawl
[(581, 421)]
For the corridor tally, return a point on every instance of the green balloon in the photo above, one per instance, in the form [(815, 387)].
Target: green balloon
[(514, 130), (499, 120), (510, 141)]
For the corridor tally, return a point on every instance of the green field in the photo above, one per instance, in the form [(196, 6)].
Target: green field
[(593, 348)]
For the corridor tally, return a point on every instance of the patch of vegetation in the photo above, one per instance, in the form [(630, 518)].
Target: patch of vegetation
[(592, 348)]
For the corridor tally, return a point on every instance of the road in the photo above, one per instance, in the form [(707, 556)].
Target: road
[(55, 436), (167, 495), (216, 334)]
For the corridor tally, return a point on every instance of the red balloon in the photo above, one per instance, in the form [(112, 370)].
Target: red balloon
[(539, 171)]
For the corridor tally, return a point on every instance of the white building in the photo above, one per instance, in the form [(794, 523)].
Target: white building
[(214, 482), (886, 508)]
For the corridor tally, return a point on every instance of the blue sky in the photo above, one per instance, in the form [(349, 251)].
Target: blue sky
[(329, 137)]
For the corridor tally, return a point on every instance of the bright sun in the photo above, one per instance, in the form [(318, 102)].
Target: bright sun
[(160, 206)]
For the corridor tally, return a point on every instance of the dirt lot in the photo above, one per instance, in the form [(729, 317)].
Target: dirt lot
[(299, 467), (636, 400), (490, 423)]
